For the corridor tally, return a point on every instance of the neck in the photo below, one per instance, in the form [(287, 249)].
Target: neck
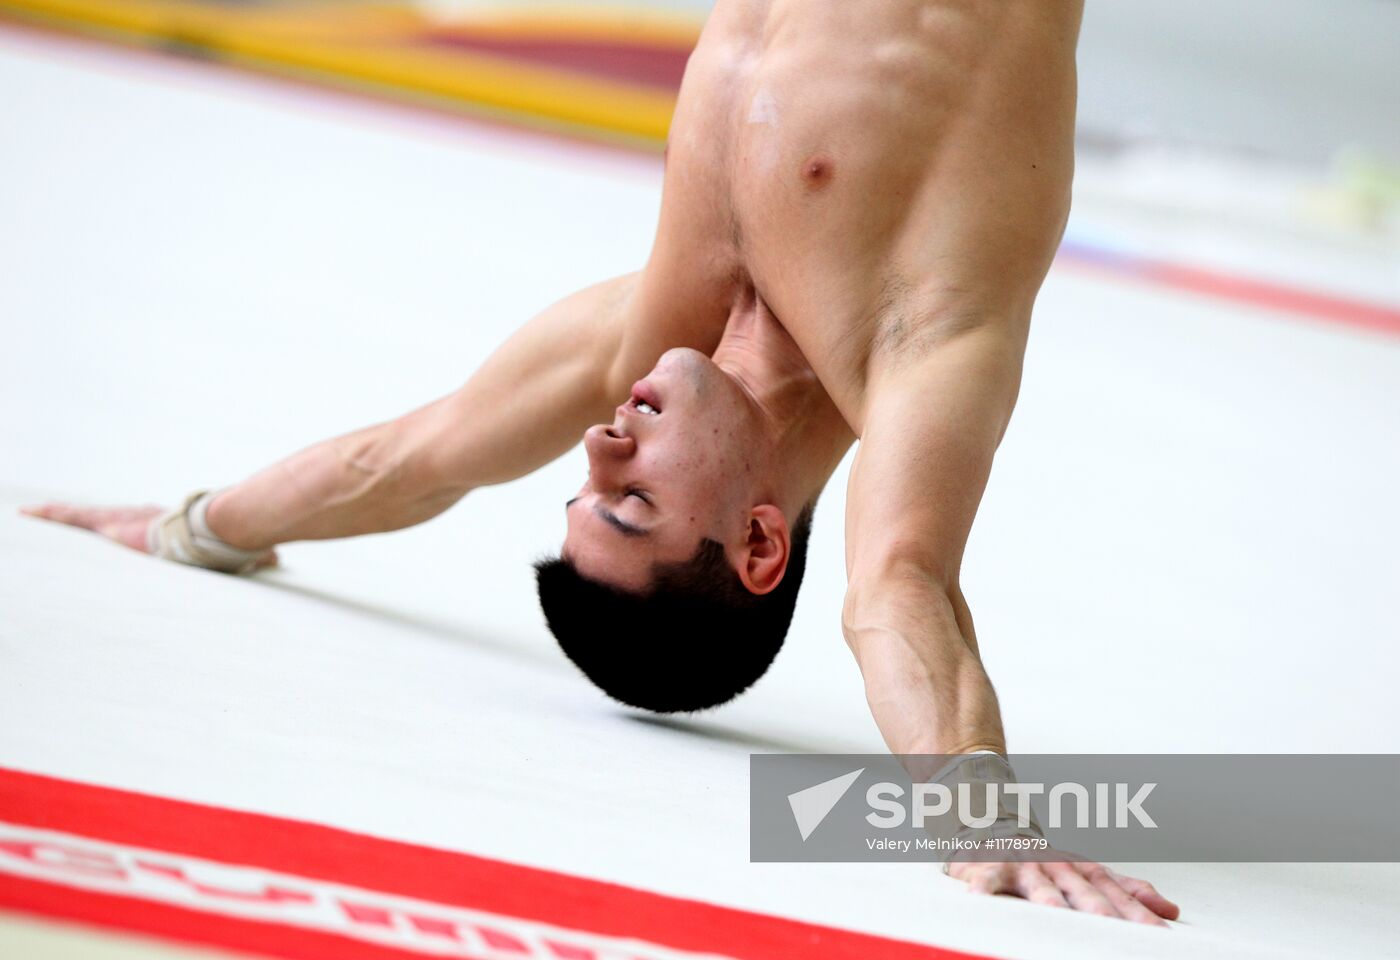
[(805, 434)]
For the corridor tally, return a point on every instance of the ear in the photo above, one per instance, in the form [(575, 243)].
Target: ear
[(763, 558)]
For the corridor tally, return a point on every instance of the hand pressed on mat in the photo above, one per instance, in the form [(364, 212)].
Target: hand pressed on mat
[(129, 526), (1075, 884)]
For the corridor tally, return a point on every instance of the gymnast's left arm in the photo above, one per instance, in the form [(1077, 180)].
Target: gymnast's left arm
[(931, 426)]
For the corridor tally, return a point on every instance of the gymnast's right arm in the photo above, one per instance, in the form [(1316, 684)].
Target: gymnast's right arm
[(526, 405)]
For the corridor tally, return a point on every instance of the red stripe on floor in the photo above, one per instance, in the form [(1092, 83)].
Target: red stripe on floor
[(1325, 307), (338, 856), (1319, 306)]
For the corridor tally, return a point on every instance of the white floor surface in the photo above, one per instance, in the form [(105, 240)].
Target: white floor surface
[(1191, 541)]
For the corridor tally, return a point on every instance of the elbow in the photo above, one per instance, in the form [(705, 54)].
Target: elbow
[(421, 457), (907, 560), (902, 579), (911, 598)]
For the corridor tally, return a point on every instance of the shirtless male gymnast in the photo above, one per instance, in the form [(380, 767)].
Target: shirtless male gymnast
[(861, 202)]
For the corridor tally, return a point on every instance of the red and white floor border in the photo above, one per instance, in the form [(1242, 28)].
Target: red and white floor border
[(283, 888)]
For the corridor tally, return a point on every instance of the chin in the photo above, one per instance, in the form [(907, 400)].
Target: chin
[(690, 370), (683, 358)]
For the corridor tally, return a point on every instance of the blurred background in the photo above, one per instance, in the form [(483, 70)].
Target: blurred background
[(1277, 121)]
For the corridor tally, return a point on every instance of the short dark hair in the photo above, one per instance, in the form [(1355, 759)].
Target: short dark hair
[(697, 638)]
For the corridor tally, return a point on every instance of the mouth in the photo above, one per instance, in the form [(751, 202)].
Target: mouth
[(645, 400)]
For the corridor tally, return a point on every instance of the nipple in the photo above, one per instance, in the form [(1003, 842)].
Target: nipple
[(818, 171)]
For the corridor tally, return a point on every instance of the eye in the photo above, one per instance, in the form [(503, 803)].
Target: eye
[(639, 495)]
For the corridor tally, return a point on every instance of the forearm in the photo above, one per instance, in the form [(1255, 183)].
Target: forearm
[(924, 681), (526, 405), (347, 486)]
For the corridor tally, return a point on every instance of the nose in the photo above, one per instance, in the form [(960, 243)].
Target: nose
[(606, 446)]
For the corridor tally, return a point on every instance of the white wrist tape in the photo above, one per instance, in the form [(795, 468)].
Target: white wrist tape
[(967, 779), (183, 535)]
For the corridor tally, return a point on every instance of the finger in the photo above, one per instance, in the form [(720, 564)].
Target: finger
[(962, 869), (1078, 892), (989, 879), (1147, 894), (1124, 902), (83, 517), (1032, 884)]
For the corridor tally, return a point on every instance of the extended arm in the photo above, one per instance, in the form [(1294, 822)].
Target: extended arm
[(933, 423), (527, 404), (937, 401), (932, 427)]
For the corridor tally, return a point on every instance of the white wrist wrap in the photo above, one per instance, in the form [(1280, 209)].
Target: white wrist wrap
[(183, 535), (967, 779)]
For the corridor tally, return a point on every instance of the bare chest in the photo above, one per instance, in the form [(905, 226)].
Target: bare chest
[(804, 172)]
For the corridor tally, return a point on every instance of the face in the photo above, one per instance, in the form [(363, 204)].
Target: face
[(675, 466)]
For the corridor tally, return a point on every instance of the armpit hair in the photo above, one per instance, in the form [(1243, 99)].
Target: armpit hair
[(906, 324)]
